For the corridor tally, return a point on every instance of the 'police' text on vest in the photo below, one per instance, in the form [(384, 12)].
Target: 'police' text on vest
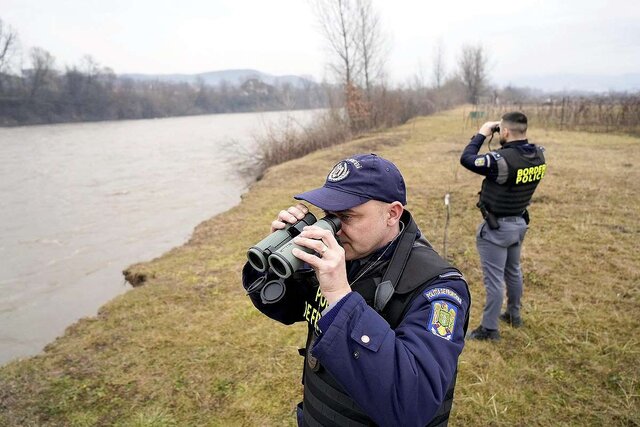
[(531, 174), (312, 312)]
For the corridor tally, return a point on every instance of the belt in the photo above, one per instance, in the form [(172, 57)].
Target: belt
[(509, 218)]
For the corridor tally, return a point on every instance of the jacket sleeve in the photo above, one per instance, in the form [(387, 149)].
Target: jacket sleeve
[(401, 376), (289, 309), (483, 164)]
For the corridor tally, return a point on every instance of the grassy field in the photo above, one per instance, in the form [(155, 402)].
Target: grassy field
[(188, 348)]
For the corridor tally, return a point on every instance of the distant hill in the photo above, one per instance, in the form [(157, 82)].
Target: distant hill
[(232, 77), (580, 82)]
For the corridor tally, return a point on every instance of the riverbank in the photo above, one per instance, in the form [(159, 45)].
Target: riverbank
[(188, 348)]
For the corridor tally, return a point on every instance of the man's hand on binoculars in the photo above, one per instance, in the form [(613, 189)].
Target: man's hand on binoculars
[(290, 216), (487, 128), (330, 266)]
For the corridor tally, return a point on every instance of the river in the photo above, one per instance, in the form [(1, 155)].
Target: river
[(81, 202)]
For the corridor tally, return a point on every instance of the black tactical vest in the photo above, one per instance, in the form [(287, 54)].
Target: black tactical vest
[(525, 170), (325, 401)]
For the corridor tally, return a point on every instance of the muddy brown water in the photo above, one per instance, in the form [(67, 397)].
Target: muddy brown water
[(81, 202)]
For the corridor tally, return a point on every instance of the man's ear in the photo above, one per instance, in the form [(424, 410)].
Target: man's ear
[(394, 212)]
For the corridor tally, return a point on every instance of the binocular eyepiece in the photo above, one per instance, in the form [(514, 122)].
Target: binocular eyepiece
[(274, 251)]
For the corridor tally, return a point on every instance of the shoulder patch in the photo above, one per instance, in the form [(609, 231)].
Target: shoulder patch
[(480, 161), (442, 319), (440, 293)]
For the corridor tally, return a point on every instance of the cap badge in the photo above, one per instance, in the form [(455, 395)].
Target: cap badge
[(339, 172)]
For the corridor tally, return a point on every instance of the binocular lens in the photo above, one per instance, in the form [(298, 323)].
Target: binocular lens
[(256, 259), (280, 265)]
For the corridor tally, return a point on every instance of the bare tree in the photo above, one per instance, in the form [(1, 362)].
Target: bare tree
[(90, 67), (41, 70), (8, 49), (473, 64), (8, 45), (353, 33), (418, 81), (338, 24), (438, 64), (370, 45)]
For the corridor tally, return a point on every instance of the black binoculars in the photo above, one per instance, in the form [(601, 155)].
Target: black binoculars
[(274, 251)]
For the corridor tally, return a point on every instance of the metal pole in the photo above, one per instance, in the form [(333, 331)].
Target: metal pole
[(446, 224)]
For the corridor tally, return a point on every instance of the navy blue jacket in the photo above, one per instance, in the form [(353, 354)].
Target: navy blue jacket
[(492, 164), (398, 377)]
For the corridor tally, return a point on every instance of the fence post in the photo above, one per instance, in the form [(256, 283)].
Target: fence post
[(446, 225)]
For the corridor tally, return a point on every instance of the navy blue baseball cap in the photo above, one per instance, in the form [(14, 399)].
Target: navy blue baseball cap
[(357, 180)]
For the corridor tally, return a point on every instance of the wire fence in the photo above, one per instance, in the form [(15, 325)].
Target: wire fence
[(619, 113)]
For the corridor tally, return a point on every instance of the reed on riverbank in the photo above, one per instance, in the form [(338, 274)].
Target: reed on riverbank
[(384, 109), (188, 348)]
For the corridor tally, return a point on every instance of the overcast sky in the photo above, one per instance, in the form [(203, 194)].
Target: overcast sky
[(524, 37)]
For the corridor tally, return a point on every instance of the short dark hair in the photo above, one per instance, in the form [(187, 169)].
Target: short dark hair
[(515, 121)]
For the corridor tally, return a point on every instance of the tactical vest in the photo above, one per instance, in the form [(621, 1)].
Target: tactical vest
[(525, 170), (325, 401)]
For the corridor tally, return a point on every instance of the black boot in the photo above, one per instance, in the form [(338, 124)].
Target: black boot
[(483, 334), (515, 321)]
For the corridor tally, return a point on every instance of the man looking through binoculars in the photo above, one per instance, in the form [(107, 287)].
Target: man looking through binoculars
[(512, 174), (386, 315)]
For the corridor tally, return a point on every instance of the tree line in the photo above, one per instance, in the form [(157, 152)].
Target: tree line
[(38, 92), (33, 90)]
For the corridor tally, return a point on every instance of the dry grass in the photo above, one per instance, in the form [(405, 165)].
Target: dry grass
[(187, 348), (289, 141)]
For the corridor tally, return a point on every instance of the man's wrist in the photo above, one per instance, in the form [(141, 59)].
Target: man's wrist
[(334, 297), (479, 138), (330, 313)]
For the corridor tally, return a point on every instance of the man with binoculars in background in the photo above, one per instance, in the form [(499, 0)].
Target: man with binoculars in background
[(386, 314), (512, 174)]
